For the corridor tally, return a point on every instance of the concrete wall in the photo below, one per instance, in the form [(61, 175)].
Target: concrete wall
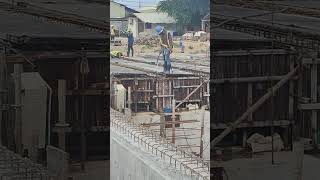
[(129, 162), (57, 162)]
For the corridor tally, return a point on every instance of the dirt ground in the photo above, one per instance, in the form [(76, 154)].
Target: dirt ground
[(191, 47)]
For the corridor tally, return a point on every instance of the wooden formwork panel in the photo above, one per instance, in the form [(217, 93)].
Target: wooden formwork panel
[(251, 63), (153, 94), (231, 99)]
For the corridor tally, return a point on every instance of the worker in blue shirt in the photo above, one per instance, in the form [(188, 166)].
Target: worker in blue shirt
[(130, 42), (181, 45), (166, 44)]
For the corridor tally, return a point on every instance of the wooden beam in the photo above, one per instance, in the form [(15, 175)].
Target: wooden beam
[(314, 90), (2, 91), (165, 123), (246, 79), (311, 106), (280, 123), (87, 92), (173, 121), (18, 122), (62, 112), (310, 61), (189, 95), (254, 107)]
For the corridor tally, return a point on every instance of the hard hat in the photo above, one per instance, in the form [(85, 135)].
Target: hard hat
[(159, 29)]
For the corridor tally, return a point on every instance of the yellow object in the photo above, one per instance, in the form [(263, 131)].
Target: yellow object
[(116, 54)]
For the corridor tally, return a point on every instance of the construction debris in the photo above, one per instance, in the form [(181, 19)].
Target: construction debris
[(259, 143), (147, 40)]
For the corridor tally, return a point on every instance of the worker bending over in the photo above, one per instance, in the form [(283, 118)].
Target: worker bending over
[(166, 48)]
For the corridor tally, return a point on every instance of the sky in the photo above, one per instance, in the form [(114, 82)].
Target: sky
[(134, 4)]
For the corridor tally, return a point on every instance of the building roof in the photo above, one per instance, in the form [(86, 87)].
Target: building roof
[(126, 7), (147, 9), (155, 17)]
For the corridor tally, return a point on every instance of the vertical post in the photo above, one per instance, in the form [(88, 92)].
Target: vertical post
[(314, 80), (62, 111), (249, 101), (244, 138), (129, 98), (299, 128), (114, 97), (291, 106), (135, 96), (208, 93), (17, 93), (162, 125), (202, 130), (173, 121), (298, 148), (83, 135), (2, 91)]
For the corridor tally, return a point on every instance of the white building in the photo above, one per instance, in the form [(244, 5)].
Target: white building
[(147, 21), (119, 14)]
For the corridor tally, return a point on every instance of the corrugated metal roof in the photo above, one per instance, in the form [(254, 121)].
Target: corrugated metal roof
[(155, 17)]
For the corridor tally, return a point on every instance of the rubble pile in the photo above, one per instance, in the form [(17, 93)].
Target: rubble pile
[(147, 39)]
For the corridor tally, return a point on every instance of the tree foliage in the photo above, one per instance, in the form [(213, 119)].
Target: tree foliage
[(188, 13)]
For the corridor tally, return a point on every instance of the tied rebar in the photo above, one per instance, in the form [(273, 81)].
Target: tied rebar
[(187, 163)]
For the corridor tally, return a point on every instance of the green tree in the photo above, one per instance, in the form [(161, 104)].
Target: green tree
[(188, 13)]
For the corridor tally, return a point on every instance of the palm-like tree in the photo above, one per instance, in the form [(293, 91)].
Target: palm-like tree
[(188, 13)]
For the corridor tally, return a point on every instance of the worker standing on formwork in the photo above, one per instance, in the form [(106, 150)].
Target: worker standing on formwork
[(113, 33), (130, 42), (166, 47)]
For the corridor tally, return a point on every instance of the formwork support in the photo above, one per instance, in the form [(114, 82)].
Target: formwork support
[(2, 91), (129, 98), (189, 95), (18, 120), (314, 89), (255, 106), (62, 113), (173, 121)]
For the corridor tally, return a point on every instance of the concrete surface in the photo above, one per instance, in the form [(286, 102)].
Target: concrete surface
[(57, 162), (260, 167), (94, 170), (130, 162), (181, 133)]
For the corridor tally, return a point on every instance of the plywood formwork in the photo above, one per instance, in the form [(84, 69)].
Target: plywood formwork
[(156, 94), (240, 78), (54, 65)]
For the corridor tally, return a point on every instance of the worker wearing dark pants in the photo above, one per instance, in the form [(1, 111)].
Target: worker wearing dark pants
[(167, 61), (130, 43), (166, 47)]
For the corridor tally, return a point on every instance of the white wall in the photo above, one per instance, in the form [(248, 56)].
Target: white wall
[(128, 162), (116, 10), (133, 25), (34, 98)]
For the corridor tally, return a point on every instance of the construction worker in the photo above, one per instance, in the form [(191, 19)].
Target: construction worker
[(130, 42), (181, 45), (113, 32), (166, 47)]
